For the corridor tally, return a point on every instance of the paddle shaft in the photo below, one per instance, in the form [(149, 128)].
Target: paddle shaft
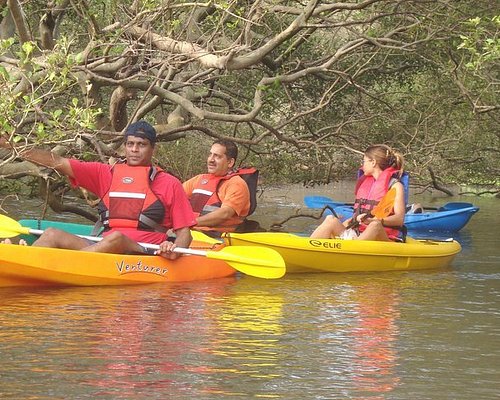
[(355, 223)]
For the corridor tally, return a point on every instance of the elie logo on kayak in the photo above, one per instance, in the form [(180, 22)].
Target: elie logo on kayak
[(124, 268), (326, 244)]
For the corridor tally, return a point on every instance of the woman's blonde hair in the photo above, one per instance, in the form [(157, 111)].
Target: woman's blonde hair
[(385, 157)]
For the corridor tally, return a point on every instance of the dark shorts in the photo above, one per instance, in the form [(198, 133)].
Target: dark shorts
[(145, 250)]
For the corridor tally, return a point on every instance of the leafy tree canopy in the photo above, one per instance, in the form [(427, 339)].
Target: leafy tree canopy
[(302, 87)]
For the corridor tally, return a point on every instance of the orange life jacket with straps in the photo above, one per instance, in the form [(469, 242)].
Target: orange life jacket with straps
[(130, 202), (369, 192), (205, 198)]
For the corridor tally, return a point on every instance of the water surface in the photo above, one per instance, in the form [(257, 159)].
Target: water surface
[(427, 335)]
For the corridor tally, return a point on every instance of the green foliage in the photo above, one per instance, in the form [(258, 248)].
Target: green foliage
[(184, 158), (51, 79), (481, 42), (420, 76), (23, 187)]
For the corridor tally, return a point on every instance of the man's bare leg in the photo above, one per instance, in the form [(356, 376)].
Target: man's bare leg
[(116, 243), (59, 239)]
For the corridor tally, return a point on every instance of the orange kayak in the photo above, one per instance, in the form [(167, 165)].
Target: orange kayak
[(41, 266)]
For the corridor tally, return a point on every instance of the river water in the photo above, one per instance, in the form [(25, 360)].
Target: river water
[(405, 335)]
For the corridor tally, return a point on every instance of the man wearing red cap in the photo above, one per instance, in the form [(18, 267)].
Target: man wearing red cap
[(138, 202)]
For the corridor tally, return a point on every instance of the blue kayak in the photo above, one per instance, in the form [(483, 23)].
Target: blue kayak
[(450, 217)]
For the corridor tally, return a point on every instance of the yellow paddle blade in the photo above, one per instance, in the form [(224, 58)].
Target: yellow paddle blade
[(197, 235), (255, 261), (260, 262), (384, 207), (10, 227)]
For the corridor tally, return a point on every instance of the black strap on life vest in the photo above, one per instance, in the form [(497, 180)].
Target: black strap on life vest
[(251, 177)]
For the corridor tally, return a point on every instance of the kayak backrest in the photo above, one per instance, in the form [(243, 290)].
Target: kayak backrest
[(405, 180)]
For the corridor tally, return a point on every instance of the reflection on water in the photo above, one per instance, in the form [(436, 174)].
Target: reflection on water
[(373, 340), (399, 335), (355, 335), (226, 337), (109, 341)]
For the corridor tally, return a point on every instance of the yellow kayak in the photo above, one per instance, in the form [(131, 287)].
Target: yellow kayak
[(303, 254), (42, 266)]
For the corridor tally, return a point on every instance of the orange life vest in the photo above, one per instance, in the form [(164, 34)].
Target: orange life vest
[(369, 191), (130, 202), (205, 198)]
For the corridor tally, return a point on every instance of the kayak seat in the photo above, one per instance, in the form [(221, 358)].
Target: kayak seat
[(414, 209)]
